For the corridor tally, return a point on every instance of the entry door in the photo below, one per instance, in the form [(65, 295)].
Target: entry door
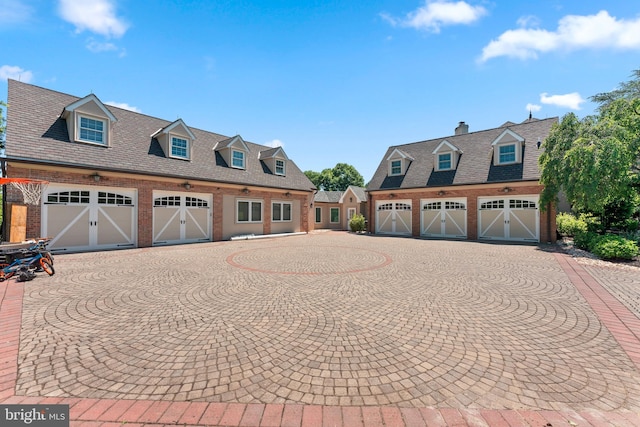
[(393, 217), (515, 218), (351, 212), (96, 218), (181, 218), (444, 218)]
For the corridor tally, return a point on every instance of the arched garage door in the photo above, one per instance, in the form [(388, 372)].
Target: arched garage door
[(444, 218), (513, 218), (393, 217), (89, 218), (181, 217)]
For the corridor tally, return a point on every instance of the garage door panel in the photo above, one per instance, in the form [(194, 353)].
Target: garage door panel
[(181, 217), (492, 224), (384, 222), (166, 224), (393, 217), (403, 222), (522, 224), (514, 218), (116, 225), (196, 224), (431, 222), (455, 223), (68, 226)]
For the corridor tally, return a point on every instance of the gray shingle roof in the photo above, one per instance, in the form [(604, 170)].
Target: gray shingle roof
[(328, 196), (36, 133), (475, 165)]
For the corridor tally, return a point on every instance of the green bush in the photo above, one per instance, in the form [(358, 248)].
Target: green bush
[(583, 240), (611, 246), (357, 223), (569, 225), (594, 225)]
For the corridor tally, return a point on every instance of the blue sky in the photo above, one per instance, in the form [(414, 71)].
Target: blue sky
[(331, 81)]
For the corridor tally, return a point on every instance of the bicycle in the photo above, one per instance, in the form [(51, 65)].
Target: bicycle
[(30, 260)]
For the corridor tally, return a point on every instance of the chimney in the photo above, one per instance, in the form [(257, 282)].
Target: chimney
[(462, 128)]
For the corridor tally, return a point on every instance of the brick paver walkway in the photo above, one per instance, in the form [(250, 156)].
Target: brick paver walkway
[(326, 329)]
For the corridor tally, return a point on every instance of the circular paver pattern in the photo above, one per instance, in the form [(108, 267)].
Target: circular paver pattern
[(322, 319)]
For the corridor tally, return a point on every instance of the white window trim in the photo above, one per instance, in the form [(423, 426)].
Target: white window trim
[(105, 129), (284, 167), (251, 202), (282, 211), (516, 146), (451, 160), (188, 148), (338, 216), (244, 159), (318, 209), (391, 167)]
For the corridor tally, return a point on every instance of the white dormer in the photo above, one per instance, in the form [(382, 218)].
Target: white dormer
[(445, 156), (507, 148), (176, 140), (89, 121), (275, 159), (234, 151), (398, 162)]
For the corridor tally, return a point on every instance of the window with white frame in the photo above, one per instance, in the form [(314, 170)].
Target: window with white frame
[(444, 161), (179, 147), (396, 167), (334, 216), (237, 159), (318, 214), (281, 212), (92, 130), (279, 167), (507, 154), (249, 211)]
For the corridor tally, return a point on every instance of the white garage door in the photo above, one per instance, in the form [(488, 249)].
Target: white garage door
[(516, 218), (444, 218), (181, 218), (393, 217), (89, 218)]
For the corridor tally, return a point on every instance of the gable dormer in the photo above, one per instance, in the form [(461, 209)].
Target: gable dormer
[(89, 121), (398, 162), (507, 148), (234, 151), (445, 156), (275, 159), (176, 140)]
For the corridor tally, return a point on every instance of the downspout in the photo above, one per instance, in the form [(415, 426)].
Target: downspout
[(3, 171)]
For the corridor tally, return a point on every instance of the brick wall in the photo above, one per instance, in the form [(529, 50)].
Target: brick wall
[(547, 218), (145, 189)]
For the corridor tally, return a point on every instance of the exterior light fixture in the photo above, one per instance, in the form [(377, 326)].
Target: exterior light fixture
[(96, 177), (187, 186)]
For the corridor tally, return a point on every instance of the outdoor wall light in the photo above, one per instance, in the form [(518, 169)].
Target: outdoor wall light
[(507, 190), (96, 177), (441, 193), (245, 190), (287, 194), (187, 186), (392, 195)]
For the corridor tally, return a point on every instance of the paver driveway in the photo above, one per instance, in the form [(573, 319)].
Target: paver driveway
[(330, 320)]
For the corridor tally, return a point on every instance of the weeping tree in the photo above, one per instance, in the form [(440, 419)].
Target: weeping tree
[(337, 178)]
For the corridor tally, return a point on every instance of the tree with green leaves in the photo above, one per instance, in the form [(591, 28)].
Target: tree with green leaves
[(2, 124), (337, 178), (595, 160)]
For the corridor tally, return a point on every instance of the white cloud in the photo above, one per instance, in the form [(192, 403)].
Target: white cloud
[(14, 11), (96, 47), (436, 14), (533, 107), (569, 100), (275, 143), (97, 16), (599, 31), (16, 73), (124, 105)]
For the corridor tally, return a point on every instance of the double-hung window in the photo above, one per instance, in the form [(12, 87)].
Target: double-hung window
[(281, 212), (507, 153), (179, 147), (396, 167), (279, 167), (249, 211), (237, 159), (318, 214), (444, 161), (335, 215), (92, 130)]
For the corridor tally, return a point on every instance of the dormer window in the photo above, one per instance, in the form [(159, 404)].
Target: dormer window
[(179, 147), (238, 159), (444, 161), (279, 167), (91, 130), (507, 154), (508, 148), (396, 167)]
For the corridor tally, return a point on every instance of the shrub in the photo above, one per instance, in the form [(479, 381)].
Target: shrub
[(583, 240), (611, 246), (594, 225), (357, 223), (569, 225)]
